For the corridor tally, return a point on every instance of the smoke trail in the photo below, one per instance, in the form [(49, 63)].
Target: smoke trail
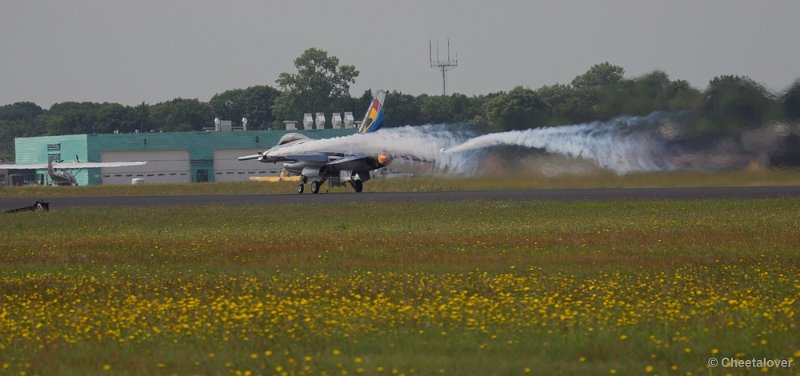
[(624, 144)]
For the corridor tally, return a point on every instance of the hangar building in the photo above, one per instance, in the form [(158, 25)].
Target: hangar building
[(179, 157)]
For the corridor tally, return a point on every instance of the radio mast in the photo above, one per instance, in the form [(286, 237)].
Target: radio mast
[(442, 65)]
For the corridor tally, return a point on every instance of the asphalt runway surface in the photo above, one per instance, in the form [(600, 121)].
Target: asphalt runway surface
[(602, 194)]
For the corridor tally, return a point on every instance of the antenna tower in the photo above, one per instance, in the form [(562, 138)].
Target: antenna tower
[(442, 65)]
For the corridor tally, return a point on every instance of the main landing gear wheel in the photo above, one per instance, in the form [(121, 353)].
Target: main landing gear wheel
[(300, 188), (358, 185), (315, 187)]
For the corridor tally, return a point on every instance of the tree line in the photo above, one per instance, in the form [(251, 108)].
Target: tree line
[(729, 105)]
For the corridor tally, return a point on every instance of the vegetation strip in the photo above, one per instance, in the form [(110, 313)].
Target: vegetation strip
[(489, 287)]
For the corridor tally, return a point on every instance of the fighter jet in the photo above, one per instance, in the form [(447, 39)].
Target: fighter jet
[(58, 171), (336, 167)]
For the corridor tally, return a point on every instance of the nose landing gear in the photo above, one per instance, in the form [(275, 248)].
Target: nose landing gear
[(302, 186)]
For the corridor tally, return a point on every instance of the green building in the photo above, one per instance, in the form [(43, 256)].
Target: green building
[(180, 157)]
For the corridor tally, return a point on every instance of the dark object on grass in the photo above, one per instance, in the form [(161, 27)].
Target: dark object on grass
[(39, 205)]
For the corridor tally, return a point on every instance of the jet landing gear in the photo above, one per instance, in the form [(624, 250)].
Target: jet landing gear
[(315, 186), (358, 185)]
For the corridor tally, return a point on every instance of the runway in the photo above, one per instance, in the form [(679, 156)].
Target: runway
[(602, 194)]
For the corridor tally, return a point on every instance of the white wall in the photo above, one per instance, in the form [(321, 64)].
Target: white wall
[(162, 167)]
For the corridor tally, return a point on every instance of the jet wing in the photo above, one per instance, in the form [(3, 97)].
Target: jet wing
[(304, 157), (261, 157)]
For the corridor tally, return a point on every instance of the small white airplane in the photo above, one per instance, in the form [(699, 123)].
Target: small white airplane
[(338, 168), (64, 177)]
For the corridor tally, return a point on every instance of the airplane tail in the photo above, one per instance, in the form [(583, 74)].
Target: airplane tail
[(374, 116)]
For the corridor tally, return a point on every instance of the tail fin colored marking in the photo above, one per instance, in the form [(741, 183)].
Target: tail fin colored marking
[(374, 116)]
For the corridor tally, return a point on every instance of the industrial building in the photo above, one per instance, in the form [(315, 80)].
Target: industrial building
[(179, 157)]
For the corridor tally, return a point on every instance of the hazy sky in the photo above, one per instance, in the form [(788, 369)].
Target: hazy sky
[(155, 50)]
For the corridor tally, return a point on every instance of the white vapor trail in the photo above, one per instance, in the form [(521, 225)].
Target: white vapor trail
[(624, 144)]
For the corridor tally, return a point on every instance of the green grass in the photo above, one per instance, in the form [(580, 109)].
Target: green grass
[(425, 184), (419, 288)]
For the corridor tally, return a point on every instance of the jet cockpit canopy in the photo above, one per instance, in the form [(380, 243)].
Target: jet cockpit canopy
[(289, 137)]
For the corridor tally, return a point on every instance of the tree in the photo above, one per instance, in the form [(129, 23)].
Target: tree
[(684, 97), (403, 110), (645, 94), (320, 85), (141, 117), (735, 103), (433, 109), (20, 111), (606, 90), (255, 103), (603, 74), (520, 108), (258, 105), (71, 118), (791, 102), (111, 117), (17, 120), (181, 115), (463, 108), (228, 104), (568, 105)]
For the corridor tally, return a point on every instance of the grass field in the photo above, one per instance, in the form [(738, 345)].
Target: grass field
[(456, 288), (596, 180)]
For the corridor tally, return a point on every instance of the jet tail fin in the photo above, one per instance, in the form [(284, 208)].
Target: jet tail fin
[(374, 116)]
